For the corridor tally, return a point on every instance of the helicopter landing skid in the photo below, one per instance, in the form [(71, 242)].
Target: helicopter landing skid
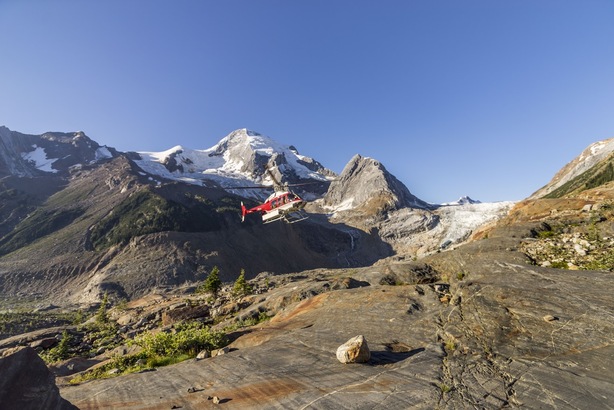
[(295, 217)]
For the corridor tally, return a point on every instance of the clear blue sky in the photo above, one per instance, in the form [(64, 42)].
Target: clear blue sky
[(486, 98)]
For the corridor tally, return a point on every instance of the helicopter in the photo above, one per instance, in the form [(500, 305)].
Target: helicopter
[(283, 205), (280, 205)]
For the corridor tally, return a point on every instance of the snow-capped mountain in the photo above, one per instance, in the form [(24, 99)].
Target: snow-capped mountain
[(239, 160), (26, 155), (463, 200)]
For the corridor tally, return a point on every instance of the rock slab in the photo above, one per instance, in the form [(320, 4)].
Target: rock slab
[(27, 383)]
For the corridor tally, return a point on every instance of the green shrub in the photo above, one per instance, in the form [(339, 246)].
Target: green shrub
[(252, 321), (559, 265), (160, 349), (122, 365), (445, 388), (546, 234), (188, 339)]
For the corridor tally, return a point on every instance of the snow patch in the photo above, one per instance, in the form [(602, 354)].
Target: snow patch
[(40, 159), (346, 205), (103, 153)]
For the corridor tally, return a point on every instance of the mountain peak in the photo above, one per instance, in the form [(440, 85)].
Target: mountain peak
[(463, 200), (365, 183), (592, 156)]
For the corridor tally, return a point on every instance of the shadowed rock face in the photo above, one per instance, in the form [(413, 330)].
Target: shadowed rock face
[(26, 383)]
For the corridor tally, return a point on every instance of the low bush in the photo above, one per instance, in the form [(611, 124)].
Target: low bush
[(187, 339), (160, 349)]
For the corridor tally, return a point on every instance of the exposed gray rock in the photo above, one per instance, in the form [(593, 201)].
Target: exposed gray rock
[(26, 383), (220, 352), (365, 183), (44, 343)]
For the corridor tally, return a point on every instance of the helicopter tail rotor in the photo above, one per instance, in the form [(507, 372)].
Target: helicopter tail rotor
[(243, 212)]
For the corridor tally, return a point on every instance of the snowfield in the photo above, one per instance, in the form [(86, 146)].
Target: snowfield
[(418, 232), (462, 220), (40, 160)]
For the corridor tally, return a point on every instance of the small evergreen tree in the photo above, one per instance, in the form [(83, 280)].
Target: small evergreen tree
[(63, 346), (101, 314), (212, 283), (59, 352), (241, 287)]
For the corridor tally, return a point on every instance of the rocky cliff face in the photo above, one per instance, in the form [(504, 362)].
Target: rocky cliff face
[(366, 186), (368, 197)]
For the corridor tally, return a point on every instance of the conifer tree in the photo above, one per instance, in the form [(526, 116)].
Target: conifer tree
[(212, 283), (241, 287), (101, 314)]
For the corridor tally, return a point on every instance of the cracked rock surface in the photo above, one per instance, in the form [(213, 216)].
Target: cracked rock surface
[(486, 330)]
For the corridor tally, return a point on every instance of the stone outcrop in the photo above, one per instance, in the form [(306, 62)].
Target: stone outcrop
[(26, 383)]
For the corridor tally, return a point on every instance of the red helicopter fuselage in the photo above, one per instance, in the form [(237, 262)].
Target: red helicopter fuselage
[(278, 205)]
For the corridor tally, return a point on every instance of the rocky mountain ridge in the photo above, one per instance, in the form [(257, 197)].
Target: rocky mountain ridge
[(23, 155), (80, 219), (597, 153)]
